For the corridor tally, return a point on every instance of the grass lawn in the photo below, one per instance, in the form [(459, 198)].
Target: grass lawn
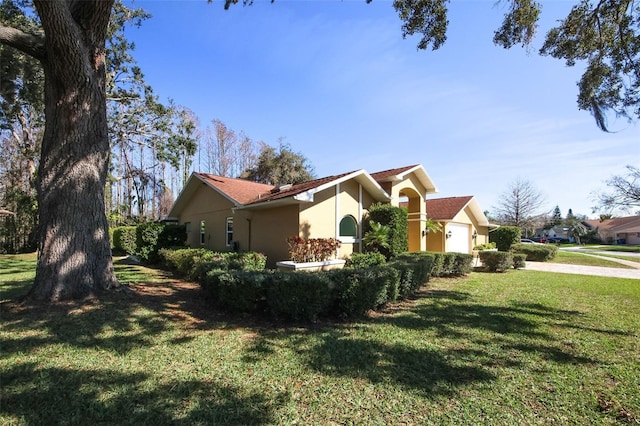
[(522, 347), (628, 249), (572, 258)]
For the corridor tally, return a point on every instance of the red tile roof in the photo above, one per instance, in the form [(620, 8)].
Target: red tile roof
[(617, 222), (242, 191), (446, 208), (290, 191), (381, 176), (246, 192)]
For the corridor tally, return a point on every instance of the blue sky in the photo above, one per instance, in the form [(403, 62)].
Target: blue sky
[(336, 80)]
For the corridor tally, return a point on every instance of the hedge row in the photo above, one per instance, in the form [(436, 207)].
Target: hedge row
[(195, 263), (536, 252), (451, 264), (501, 261), (305, 296), (146, 239), (444, 264)]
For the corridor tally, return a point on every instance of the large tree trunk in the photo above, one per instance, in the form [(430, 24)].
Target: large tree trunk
[(74, 255)]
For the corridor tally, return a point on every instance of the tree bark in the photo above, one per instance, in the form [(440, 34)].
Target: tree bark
[(74, 254)]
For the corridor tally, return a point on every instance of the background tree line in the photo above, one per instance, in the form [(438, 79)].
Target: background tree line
[(153, 144)]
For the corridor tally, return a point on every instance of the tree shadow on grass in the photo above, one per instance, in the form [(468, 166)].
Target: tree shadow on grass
[(118, 323), (60, 396)]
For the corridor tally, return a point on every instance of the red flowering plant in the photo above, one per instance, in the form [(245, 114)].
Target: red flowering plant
[(311, 250)]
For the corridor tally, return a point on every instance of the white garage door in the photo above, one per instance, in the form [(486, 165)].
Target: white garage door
[(459, 240)]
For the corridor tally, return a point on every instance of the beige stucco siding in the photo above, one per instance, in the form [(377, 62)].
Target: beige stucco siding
[(270, 229), (317, 220), (209, 206), (322, 218), (435, 241)]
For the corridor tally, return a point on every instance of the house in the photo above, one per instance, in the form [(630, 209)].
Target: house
[(223, 213), (464, 224), (619, 230), (557, 231)]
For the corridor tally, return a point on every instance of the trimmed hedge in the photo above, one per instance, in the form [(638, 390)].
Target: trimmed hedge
[(360, 290), (300, 296), (438, 264), (151, 237), (124, 239), (536, 252), (365, 260), (462, 265), (195, 263), (496, 261), (519, 260)]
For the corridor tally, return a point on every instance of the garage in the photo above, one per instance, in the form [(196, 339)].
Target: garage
[(459, 239)]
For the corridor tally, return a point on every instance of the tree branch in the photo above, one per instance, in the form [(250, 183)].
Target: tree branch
[(31, 44)]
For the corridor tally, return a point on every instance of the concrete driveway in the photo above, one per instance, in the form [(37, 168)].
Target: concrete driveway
[(598, 271)]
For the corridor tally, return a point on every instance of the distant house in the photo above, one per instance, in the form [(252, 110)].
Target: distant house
[(620, 230), (557, 231), (223, 213)]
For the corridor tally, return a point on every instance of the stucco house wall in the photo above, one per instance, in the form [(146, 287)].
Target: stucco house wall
[(213, 209), (270, 229)]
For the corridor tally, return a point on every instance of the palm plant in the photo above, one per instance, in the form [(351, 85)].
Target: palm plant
[(377, 237)]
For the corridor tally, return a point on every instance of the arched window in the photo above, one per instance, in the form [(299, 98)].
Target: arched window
[(348, 227)]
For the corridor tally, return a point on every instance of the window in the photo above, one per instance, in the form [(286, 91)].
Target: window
[(187, 227), (229, 231), (348, 227), (202, 229)]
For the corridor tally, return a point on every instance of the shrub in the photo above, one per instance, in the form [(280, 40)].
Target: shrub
[(485, 246), (311, 250), (299, 296), (414, 271), (448, 263), (519, 260), (172, 235), (536, 252), (195, 263), (359, 290), (505, 236), (438, 263), (242, 291), (462, 264), (396, 219), (496, 261), (124, 239), (365, 260), (247, 261), (151, 237), (422, 263)]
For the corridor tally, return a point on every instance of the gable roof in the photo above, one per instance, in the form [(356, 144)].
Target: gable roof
[(237, 191), (395, 175), (446, 209), (245, 194), (305, 191)]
